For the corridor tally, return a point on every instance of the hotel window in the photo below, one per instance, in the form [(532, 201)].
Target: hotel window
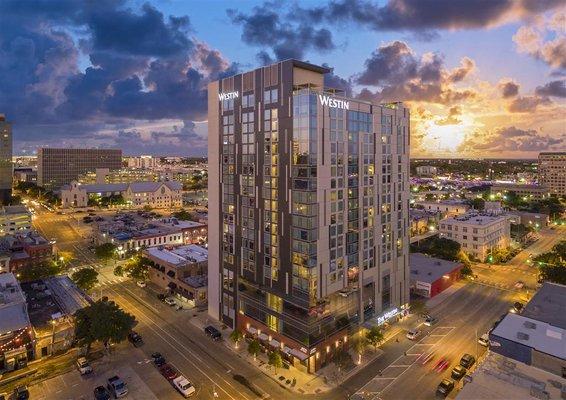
[(270, 96), (248, 100)]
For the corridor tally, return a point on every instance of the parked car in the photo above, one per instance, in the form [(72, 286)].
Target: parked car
[(141, 284), (213, 332), (168, 372), (430, 321), (170, 301), (21, 393), (445, 387), (83, 366), (117, 386), (184, 386), (101, 393), (161, 296), (519, 285), (484, 340), (467, 360), (413, 334), (158, 359), (135, 338), (458, 372), (517, 307)]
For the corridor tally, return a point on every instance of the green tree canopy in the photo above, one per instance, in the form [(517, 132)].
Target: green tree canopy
[(38, 271), (236, 336), (137, 268), (103, 322), (374, 336), (105, 251), (85, 278), (275, 360), (438, 247), (254, 348)]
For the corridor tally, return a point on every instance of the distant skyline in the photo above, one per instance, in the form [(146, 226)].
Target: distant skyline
[(483, 79)]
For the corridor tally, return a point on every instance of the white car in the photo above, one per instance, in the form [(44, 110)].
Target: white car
[(519, 285), (170, 301), (184, 386), (141, 283), (484, 340), (413, 334), (83, 366)]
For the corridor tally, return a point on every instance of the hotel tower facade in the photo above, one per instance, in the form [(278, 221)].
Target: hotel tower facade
[(308, 210)]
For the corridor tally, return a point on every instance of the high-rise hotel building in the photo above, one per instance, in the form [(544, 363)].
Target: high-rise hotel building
[(6, 170), (308, 210)]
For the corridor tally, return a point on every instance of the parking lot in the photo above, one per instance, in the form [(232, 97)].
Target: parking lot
[(142, 377)]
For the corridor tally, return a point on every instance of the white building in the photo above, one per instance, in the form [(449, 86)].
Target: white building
[(144, 162), (136, 194), (427, 170), (14, 219), (478, 234), (448, 208)]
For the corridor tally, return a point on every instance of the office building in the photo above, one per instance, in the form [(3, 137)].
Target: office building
[(5, 160), (552, 172), (479, 234), (528, 191), (308, 210), (142, 162), (58, 167), (14, 219), (426, 170)]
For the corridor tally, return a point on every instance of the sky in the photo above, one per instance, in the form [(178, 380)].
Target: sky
[(483, 79)]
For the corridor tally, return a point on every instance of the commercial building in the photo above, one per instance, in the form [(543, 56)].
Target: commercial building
[(479, 234), (180, 270), (25, 174), (5, 160), (527, 190), (16, 335), (552, 172), (14, 219), (131, 232), (447, 208), (142, 162), (308, 210), (430, 276), (58, 167), (135, 194), (537, 337), (530, 219), (426, 170), (422, 221), (24, 249)]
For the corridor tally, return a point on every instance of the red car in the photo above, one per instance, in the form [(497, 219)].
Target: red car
[(168, 372)]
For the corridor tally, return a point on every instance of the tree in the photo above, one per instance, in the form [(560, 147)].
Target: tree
[(254, 348), (119, 270), (137, 268), (102, 321), (359, 347), (34, 271), (342, 359), (236, 336), (183, 215), (85, 278), (105, 251), (418, 307), (560, 250), (374, 336), (275, 360), (477, 203)]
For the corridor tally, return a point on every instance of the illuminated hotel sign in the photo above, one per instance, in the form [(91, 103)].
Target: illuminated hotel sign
[(333, 103), (228, 96), (389, 314)]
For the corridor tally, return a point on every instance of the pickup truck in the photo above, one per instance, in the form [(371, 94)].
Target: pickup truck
[(117, 386)]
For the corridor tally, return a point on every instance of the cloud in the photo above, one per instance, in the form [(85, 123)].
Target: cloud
[(508, 88), (554, 88), (510, 139), (266, 26), (401, 75), (141, 66), (532, 40), (425, 16), (452, 117), (528, 104)]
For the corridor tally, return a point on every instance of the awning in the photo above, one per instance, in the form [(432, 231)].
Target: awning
[(299, 354), (263, 336), (274, 343), (287, 350), (252, 330)]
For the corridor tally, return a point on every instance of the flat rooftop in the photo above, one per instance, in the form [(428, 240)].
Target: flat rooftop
[(475, 219), (13, 309), (179, 255), (538, 335), (196, 281), (548, 305), (10, 210), (501, 378), (429, 269)]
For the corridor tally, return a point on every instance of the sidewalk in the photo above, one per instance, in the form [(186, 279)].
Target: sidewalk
[(298, 381)]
